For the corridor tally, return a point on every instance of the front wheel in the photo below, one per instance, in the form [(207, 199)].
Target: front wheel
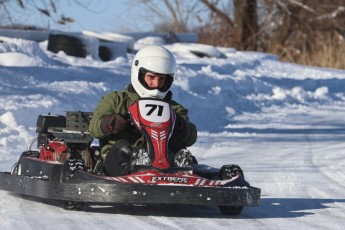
[(225, 173), (231, 210)]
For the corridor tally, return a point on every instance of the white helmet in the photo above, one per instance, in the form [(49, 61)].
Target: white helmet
[(156, 59)]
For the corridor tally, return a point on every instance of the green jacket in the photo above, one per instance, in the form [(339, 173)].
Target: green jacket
[(118, 102)]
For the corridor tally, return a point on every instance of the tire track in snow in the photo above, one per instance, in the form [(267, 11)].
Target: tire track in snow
[(331, 177)]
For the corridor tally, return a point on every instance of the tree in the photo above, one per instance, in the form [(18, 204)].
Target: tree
[(240, 32), (47, 8), (219, 29), (304, 31), (170, 15), (308, 31), (247, 21)]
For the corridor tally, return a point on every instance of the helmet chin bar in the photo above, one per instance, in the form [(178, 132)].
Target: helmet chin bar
[(153, 93)]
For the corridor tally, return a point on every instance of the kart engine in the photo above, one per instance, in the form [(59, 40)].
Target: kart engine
[(62, 137)]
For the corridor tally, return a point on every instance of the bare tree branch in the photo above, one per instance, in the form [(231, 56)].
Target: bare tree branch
[(44, 11), (20, 3), (218, 12), (333, 14), (300, 4)]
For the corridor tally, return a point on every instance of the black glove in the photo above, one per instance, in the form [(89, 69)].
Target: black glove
[(113, 124)]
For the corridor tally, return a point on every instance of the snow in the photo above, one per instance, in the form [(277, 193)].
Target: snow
[(282, 123)]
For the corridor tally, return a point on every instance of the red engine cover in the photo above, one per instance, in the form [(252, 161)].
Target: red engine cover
[(54, 151)]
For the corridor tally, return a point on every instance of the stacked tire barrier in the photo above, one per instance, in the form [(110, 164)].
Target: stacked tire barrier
[(71, 45)]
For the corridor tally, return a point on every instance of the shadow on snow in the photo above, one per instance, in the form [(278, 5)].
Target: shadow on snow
[(289, 207), (269, 208)]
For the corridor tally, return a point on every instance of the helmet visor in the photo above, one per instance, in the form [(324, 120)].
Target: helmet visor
[(167, 83)]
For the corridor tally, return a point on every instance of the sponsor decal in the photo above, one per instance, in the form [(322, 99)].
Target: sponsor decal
[(171, 179), (156, 125)]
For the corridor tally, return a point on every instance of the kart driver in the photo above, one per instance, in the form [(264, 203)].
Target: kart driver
[(152, 74)]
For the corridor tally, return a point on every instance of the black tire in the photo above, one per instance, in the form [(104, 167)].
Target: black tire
[(227, 172), (73, 205), (70, 167), (231, 210), (71, 45), (104, 53)]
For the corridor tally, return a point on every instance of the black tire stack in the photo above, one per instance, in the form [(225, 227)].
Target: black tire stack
[(71, 45), (104, 53)]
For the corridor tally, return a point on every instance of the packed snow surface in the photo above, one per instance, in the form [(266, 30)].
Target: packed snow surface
[(282, 123)]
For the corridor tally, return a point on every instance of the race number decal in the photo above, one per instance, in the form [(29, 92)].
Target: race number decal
[(154, 111)]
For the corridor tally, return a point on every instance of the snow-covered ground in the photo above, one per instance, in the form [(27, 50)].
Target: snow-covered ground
[(282, 123)]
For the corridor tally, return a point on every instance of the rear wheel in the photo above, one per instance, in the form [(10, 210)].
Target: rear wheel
[(73, 205), (227, 172), (71, 166)]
